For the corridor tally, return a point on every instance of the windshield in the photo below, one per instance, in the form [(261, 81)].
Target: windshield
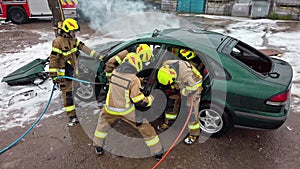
[(107, 48)]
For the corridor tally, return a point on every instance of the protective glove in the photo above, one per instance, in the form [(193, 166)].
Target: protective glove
[(55, 80), (101, 57)]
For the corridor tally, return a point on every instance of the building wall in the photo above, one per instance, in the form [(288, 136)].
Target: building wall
[(227, 7), (287, 8)]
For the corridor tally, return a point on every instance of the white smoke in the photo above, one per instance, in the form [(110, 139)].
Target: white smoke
[(125, 18), (100, 12)]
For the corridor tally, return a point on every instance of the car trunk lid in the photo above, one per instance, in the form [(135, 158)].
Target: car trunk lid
[(281, 73)]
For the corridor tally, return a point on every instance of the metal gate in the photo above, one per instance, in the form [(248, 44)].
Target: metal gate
[(191, 6)]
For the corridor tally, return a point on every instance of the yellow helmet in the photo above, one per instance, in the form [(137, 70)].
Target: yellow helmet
[(134, 60), (145, 52), (166, 75), (187, 54), (175, 51), (70, 24)]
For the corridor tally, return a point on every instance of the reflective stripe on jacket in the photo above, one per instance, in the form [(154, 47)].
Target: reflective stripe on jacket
[(189, 78), (66, 50), (124, 92)]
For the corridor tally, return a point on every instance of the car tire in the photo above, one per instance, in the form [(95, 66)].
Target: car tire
[(17, 15), (84, 91), (214, 120)]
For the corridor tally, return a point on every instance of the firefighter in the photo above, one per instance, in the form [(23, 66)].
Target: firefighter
[(173, 94), (144, 52), (188, 55), (123, 97), (63, 62), (184, 77)]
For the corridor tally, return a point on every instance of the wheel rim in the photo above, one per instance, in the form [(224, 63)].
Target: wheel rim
[(85, 91), (210, 121), (18, 16)]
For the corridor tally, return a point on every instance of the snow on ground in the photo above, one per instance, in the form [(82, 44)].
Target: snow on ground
[(247, 30), (31, 108)]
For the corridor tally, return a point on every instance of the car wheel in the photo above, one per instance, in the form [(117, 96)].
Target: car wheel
[(17, 15), (85, 91), (214, 121)]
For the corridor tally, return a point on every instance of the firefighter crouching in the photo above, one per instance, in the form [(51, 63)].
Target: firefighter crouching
[(183, 76), (143, 51), (123, 96), (63, 62)]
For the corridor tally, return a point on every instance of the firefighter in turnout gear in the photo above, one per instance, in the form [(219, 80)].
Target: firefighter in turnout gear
[(183, 76), (63, 62), (143, 51), (123, 97)]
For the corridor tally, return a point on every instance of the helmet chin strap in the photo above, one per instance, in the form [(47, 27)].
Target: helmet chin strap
[(71, 33)]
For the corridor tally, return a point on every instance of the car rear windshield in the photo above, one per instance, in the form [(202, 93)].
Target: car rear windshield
[(250, 57)]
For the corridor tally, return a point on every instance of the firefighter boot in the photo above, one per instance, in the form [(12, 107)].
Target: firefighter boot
[(99, 150), (73, 121), (162, 127), (159, 155), (189, 140), (101, 100)]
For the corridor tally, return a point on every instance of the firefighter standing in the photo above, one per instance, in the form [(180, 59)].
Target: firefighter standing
[(63, 62), (183, 76), (123, 96)]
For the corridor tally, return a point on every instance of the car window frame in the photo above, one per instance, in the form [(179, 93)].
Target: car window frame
[(231, 44)]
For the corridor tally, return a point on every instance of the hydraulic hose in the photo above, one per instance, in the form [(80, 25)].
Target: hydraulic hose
[(177, 138), (83, 81), (44, 111), (72, 78)]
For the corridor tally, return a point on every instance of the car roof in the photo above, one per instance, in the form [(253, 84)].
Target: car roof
[(192, 38)]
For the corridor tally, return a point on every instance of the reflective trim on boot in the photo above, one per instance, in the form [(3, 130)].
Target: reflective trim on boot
[(189, 140), (73, 121), (162, 127), (99, 150)]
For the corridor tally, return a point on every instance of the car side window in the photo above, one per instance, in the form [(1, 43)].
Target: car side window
[(217, 70)]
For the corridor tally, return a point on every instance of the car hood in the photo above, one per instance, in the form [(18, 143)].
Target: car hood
[(282, 73)]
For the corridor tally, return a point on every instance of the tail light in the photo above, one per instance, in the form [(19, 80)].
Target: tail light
[(279, 99)]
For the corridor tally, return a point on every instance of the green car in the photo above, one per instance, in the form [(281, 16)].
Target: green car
[(241, 85)]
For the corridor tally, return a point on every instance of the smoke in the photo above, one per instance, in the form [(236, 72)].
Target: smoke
[(124, 18)]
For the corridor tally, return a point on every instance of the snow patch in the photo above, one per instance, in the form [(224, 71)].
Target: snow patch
[(19, 114)]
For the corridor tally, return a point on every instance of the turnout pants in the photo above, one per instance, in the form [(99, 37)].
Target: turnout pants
[(172, 110), (67, 96), (194, 123), (173, 107), (146, 130)]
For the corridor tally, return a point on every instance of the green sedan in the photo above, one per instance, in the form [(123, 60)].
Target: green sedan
[(242, 86)]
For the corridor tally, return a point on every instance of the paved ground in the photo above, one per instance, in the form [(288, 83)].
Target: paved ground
[(53, 145)]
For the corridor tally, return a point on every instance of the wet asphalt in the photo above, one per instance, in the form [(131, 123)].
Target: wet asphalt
[(53, 145)]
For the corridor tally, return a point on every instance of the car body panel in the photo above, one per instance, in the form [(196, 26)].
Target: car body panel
[(237, 87)]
